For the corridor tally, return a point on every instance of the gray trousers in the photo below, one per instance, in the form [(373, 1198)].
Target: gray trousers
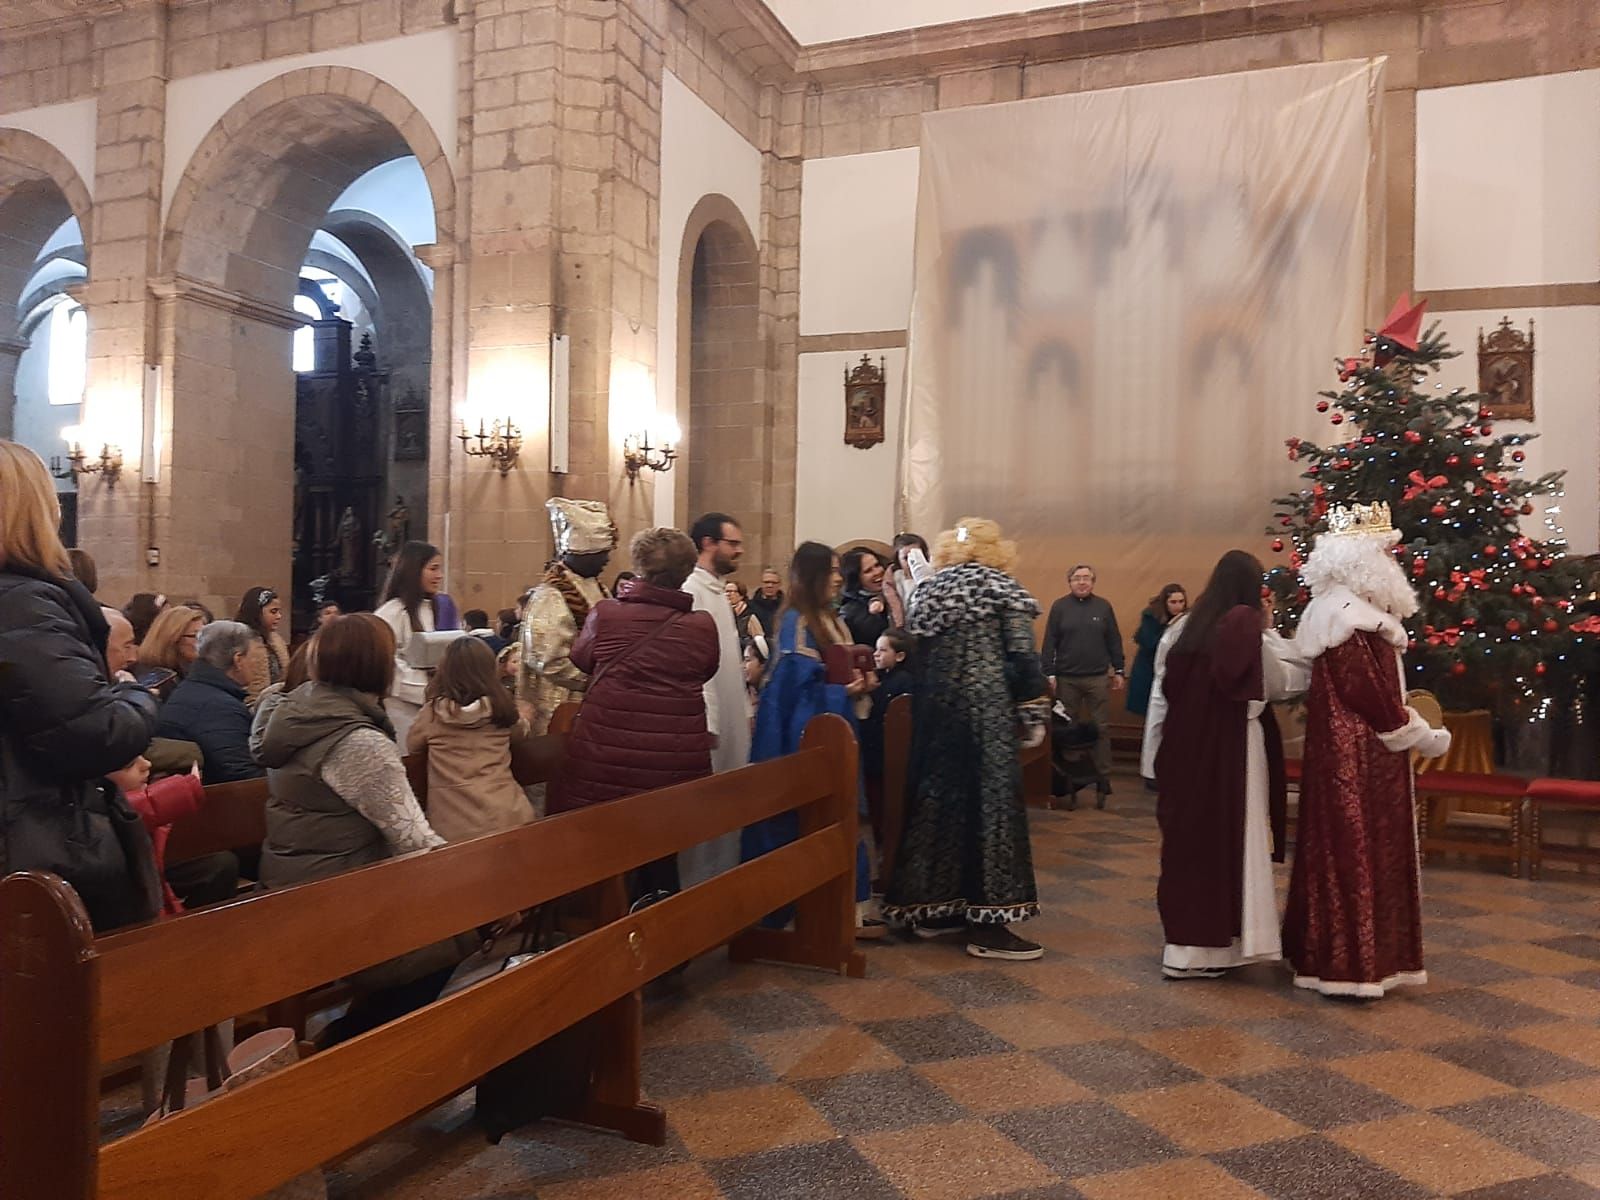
[(1087, 697)]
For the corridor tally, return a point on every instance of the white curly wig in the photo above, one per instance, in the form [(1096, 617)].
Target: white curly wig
[(1363, 564)]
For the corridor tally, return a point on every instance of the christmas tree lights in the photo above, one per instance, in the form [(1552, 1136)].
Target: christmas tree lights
[(1496, 622)]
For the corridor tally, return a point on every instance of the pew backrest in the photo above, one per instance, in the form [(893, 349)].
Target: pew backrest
[(71, 1001)]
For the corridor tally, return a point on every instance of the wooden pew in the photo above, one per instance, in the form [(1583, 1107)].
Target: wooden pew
[(70, 1000)]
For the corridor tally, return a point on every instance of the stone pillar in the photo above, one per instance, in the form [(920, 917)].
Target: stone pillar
[(781, 160), (223, 522), (11, 349), (130, 49), (562, 183)]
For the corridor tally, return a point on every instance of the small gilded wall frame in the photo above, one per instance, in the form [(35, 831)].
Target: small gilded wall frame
[(1505, 371), (864, 404)]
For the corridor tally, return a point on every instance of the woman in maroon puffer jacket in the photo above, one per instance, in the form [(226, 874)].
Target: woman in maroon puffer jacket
[(648, 657)]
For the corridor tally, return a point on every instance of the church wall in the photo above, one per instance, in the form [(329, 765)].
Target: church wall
[(421, 67), (701, 155), (845, 494), (1492, 165), (69, 127)]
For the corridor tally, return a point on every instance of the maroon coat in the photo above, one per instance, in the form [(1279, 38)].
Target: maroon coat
[(643, 720), (1200, 775)]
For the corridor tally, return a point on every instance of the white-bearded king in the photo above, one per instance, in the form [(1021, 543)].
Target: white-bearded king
[(1353, 925)]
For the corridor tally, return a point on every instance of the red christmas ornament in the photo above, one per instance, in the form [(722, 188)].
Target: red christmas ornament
[(1412, 644), (1413, 436), (1342, 464), (1337, 418), (1439, 593), (1312, 469), (1459, 668), (1438, 510), (1477, 460), (1539, 668), (1322, 406), (1547, 563), (1418, 566), (1487, 431), (1468, 622), (1551, 625), (1536, 601), (1491, 551), (1484, 414), (1468, 431), (1564, 605), (1277, 545), (1368, 440), (1453, 461), (1513, 626), (1516, 457)]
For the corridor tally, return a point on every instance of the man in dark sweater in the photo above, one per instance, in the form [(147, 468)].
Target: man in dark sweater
[(1082, 654)]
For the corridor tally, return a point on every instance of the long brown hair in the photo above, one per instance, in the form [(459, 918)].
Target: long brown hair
[(405, 580), (468, 673), (1235, 581), (811, 590), (1158, 603)]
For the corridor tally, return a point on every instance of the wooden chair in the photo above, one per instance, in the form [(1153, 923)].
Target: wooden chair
[(1494, 802), (1572, 795), (71, 1000)]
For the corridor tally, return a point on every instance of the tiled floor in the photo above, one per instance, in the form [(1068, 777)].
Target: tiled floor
[(941, 1077)]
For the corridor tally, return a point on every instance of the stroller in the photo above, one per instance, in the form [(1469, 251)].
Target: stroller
[(1071, 755)]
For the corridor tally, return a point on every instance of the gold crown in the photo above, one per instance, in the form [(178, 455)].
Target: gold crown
[(1359, 520)]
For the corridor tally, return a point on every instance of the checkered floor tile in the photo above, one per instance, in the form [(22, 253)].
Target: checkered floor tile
[(942, 1077)]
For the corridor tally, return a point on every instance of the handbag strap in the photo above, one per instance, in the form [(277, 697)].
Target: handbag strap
[(634, 649)]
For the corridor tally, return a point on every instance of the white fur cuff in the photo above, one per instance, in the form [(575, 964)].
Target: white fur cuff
[(1414, 731)]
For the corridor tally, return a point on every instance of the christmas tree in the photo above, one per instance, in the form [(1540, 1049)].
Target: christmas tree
[(1495, 627)]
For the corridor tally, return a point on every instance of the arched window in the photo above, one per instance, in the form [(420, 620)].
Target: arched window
[(69, 352), (305, 350)]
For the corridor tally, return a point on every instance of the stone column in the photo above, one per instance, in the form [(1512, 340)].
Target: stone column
[(11, 349), (562, 179), (130, 50), (781, 161)]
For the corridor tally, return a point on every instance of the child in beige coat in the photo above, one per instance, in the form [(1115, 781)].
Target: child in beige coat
[(465, 728)]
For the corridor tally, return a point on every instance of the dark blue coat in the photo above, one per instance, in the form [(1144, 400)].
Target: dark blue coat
[(208, 709)]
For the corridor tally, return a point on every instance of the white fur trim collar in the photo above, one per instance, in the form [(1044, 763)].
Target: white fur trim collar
[(1331, 618)]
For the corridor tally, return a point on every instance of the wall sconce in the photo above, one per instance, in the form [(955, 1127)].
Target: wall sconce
[(638, 452), (108, 466), (500, 443)]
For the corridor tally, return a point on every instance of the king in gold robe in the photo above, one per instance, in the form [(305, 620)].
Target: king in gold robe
[(584, 538)]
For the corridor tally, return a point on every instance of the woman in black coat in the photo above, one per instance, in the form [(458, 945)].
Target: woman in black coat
[(63, 725)]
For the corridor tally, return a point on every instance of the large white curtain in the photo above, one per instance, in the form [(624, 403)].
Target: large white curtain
[(1125, 300)]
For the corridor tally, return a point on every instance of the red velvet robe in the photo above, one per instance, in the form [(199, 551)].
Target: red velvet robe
[(1353, 924), (1200, 769)]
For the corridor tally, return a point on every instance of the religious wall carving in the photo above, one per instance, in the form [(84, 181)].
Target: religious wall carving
[(864, 404)]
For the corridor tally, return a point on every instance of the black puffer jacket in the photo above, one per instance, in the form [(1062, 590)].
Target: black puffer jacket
[(63, 726)]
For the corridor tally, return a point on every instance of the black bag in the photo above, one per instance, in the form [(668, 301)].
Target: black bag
[(105, 855), (550, 1080)]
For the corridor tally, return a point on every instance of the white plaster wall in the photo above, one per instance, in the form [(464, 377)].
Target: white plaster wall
[(1508, 182), (843, 493), (68, 127), (857, 241), (812, 21), (701, 155), (1566, 369), (421, 66)]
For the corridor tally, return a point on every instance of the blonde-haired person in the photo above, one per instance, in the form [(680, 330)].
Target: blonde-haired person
[(168, 649), (965, 865), (64, 725)]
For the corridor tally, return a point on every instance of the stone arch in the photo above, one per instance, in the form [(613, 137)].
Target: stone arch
[(240, 224), (721, 400), (237, 215), (39, 189)]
